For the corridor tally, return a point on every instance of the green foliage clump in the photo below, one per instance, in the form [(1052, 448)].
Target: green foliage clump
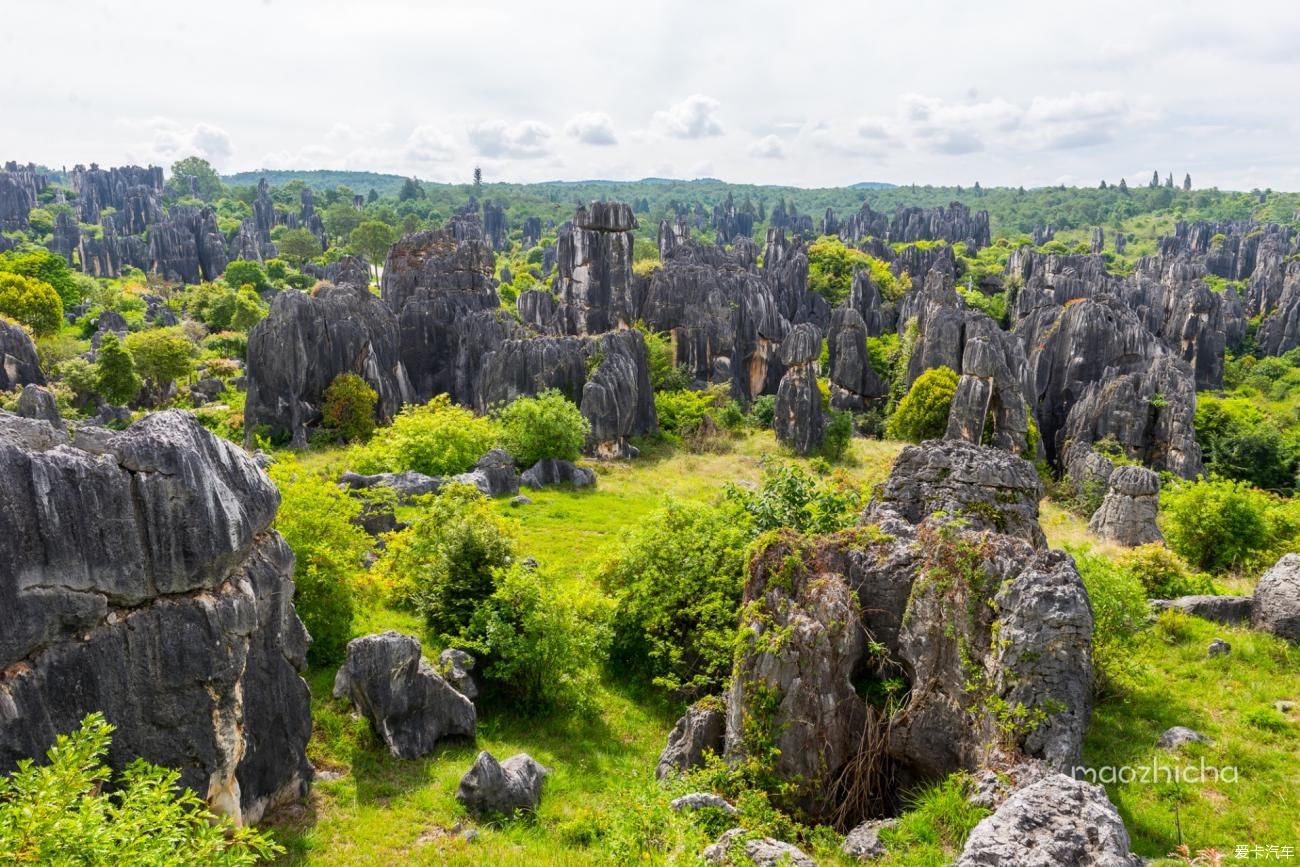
[(1163, 574), (46, 266), (32, 302), (116, 376), (922, 414), (1217, 524), (162, 355), (437, 439), (546, 426), (763, 411), (1241, 441), (349, 407), (677, 580), (837, 436), (223, 308), (298, 245), (1119, 612), (831, 266), (72, 810), (790, 497), (664, 374), (934, 827), (242, 272), (317, 520)]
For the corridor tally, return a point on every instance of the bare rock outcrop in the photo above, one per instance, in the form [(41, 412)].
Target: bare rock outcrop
[(90, 615), (701, 729), (798, 421), (594, 283), (854, 382), (1128, 513), (504, 788), (19, 363), (1275, 607)]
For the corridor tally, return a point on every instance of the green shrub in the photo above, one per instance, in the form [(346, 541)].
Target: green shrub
[(1163, 574), (227, 344), (317, 520), (922, 414), (47, 267), (934, 827), (32, 302), (349, 407), (838, 435), (546, 426), (437, 439), (117, 379), (1240, 441), (538, 647), (682, 412), (665, 374), (677, 580), (162, 355), (763, 411), (791, 498), (1119, 612), (242, 272), (1216, 524), (72, 810), (442, 565)]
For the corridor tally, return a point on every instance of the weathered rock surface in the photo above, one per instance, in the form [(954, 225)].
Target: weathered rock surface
[(494, 474), (864, 843), (798, 422), (594, 284), (504, 788), (700, 730), (854, 383), (1275, 607), (733, 848), (408, 704), (1173, 738), (36, 401), (456, 666), (1128, 514), (702, 801), (89, 615), (305, 342), (552, 471), (407, 484), (19, 363), (1055, 821), (1228, 610)]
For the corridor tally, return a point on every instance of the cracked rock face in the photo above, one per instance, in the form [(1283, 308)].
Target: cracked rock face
[(1276, 604), (492, 787), (1128, 514), (19, 363), (146, 584)]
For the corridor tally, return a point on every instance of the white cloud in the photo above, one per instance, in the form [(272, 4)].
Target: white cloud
[(174, 141), (528, 139), (591, 127), (693, 117), (426, 144), (769, 147)]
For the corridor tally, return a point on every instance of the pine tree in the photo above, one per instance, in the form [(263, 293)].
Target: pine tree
[(1155, 179), (1103, 184), (1169, 180), (1187, 182), (1123, 185), (118, 381), (478, 181)]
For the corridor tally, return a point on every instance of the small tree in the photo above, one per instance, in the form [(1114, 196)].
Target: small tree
[(162, 356), (547, 426), (241, 273), (66, 812), (207, 182), (298, 245), (922, 414), (47, 267), (340, 219), (349, 407), (118, 381), (32, 302), (372, 239)]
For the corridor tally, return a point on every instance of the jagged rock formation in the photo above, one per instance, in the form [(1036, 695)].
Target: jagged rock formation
[(491, 788), (89, 615), (19, 363), (20, 187), (798, 421), (455, 667), (1095, 371), (188, 246), (532, 232), (495, 225), (1057, 820), (934, 595), (908, 225), (1275, 606), (37, 402), (1228, 610), (552, 471), (1128, 514), (494, 474), (1098, 240), (308, 340), (854, 383), (701, 729), (409, 706), (594, 284)]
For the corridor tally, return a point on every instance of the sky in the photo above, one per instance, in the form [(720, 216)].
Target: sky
[(805, 94)]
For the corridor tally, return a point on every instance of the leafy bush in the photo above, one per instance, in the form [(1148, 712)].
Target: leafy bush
[(242, 272), (838, 435), (1216, 524), (831, 266), (73, 811), (677, 580), (317, 520), (437, 439), (32, 302), (162, 355), (763, 411), (790, 497), (1240, 441), (538, 647), (922, 414), (546, 426), (1119, 612), (1163, 574), (47, 267), (682, 412), (118, 381), (442, 565), (665, 375), (349, 407)]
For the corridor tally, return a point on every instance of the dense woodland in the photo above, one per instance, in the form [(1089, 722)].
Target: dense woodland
[(601, 609)]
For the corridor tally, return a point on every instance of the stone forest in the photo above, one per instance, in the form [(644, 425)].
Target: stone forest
[(348, 518)]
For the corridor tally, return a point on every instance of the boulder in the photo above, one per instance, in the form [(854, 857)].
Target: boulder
[(1128, 514), (1052, 822), (490, 787), (408, 484), (36, 401), (1275, 607), (703, 801), (734, 847), (854, 383), (19, 363), (456, 666), (1218, 647), (1178, 736), (1228, 610), (863, 842), (616, 398), (494, 474), (799, 421), (142, 580), (409, 706), (700, 730), (554, 471)]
